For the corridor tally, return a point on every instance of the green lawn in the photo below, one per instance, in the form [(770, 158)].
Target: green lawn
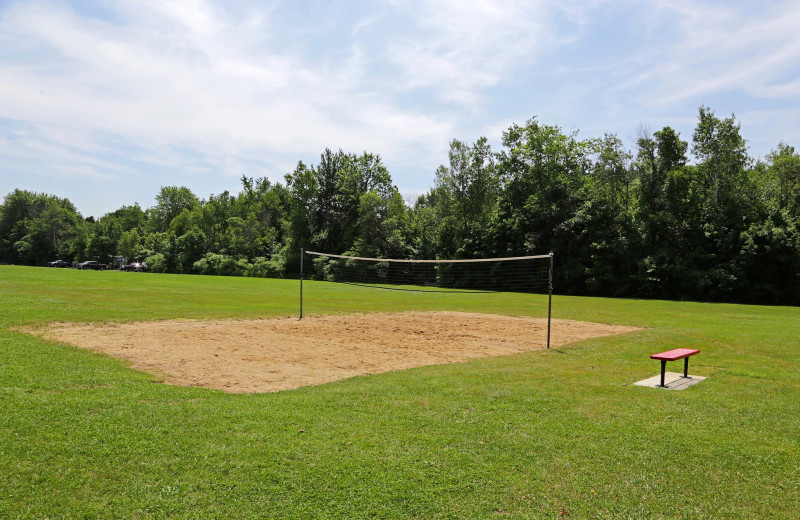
[(551, 434)]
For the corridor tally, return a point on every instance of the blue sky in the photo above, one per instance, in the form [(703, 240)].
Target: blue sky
[(104, 102)]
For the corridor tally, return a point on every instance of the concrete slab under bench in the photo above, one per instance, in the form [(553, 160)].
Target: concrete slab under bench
[(672, 381)]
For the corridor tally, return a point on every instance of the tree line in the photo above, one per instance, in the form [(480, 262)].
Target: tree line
[(671, 218)]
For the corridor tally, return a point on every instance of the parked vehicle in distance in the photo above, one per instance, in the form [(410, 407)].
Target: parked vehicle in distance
[(134, 266), (60, 263), (91, 264)]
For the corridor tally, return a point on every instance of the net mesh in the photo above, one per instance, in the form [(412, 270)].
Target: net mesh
[(518, 274)]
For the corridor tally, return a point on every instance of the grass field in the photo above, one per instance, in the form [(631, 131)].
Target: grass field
[(555, 434)]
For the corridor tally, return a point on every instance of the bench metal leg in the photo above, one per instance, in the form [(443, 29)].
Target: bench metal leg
[(663, 371), (686, 367)]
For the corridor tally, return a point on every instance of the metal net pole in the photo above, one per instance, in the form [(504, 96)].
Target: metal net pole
[(302, 254), (549, 297)]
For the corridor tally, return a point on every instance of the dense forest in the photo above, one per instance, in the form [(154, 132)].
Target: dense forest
[(669, 219)]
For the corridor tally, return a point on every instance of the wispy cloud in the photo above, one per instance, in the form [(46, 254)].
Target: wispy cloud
[(725, 46), (198, 92), (189, 75), (459, 49)]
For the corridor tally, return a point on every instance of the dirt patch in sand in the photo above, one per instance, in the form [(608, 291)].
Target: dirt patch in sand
[(245, 356)]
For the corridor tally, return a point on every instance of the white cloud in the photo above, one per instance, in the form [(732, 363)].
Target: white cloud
[(461, 48), (196, 91), (726, 47), (188, 75)]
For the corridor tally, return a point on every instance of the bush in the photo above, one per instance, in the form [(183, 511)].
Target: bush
[(222, 265), (156, 263), (264, 268)]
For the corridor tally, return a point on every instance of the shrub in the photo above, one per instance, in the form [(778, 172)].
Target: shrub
[(222, 265), (264, 268), (156, 263)]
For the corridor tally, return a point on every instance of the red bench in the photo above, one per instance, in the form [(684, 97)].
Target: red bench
[(674, 355)]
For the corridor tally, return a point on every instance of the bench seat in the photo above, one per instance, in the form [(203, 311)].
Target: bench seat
[(673, 355)]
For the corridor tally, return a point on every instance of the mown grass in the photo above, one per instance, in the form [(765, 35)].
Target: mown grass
[(556, 434)]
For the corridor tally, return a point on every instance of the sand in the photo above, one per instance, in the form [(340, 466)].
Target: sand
[(267, 355)]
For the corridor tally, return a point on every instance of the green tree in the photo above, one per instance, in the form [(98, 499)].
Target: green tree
[(423, 227), (131, 217), (327, 217), (324, 201), (466, 198), (213, 218), (603, 227), (382, 226), (611, 176), (544, 175), (768, 261), (784, 170), (130, 245), (661, 194), (104, 239), (191, 247), (170, 202), (35, 228), (303, 188), (720, 150)]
